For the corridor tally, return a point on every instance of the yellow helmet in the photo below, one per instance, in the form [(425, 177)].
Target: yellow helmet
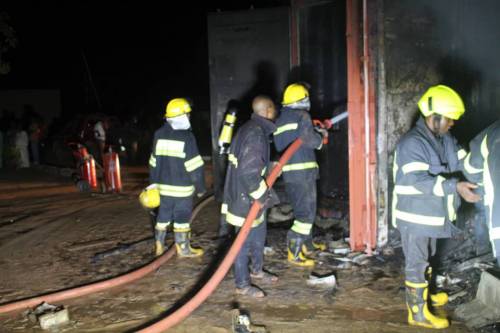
[(177, 107), (442, 100), (294, 93), (150, 198)]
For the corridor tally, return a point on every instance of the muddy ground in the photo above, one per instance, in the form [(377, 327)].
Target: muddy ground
[(50, 233)]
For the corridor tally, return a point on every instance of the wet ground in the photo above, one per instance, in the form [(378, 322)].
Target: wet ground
[(50, 234)]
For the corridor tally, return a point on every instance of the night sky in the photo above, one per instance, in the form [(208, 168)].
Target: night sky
[(139, 55)]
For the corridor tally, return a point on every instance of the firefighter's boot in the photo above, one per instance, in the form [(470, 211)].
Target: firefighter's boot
[(418, 311), (310, 246), (295, 244), (160, 241), (437, 299), (183, 244)]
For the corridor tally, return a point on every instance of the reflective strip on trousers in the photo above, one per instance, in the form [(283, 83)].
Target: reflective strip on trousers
[(419, 219), (300, 166), (438, 187), (172, 148), (152, 161), (162, 226), (238, 220), (414, 166), (406, 190), (193, 163), (285, 128), (301, 227), (176, 191), (182, 227), (260, 191)]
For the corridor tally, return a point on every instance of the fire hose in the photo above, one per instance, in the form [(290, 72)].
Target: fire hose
[(184, 311)]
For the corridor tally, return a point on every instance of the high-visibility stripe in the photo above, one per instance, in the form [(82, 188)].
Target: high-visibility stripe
[(300, 166), (484, 147), (193, 163), (416, 284), (394, 195), (419, 219), (263, 172), (495, 233), (223, 208), (260, 191), (171, 148), (162, 226), (182, 227), (469, 168), (238, 220), (233, 160), (461, 154), (452, 214), (489, 192), (414, 166), (287, 127), (302, 227), (406, 190), (176, 191), (438, 187), (152, 161)]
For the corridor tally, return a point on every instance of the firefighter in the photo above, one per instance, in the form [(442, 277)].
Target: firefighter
[(301, 171), (176, 169), (248, 162), (426, 196), (482, 167)]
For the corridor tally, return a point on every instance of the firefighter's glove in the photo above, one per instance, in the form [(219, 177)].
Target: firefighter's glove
[(269, 199)]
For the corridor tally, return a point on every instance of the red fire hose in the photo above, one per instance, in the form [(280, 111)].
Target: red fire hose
[(98, 286), (198, 299), (225, 265)]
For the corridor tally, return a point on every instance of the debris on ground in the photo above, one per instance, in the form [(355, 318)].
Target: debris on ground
[(241, 323), (325, 281), (49, 316), (484, 310)]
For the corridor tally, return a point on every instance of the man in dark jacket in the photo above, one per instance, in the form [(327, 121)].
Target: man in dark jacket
[(426, 195), (176, 169), (482, 166), (245, 182), (301, 172)]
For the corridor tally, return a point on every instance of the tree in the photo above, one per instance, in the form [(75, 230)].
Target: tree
[(8, 40)]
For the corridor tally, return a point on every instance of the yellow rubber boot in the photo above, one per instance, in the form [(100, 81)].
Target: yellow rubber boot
[(418, 311), (183, 245), (437, 299), (309, 247), (160, 233), (295, 255)]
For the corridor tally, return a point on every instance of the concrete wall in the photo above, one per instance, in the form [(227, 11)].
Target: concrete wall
[(422, 43)]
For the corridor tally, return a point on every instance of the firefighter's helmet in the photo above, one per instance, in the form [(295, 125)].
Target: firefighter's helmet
[(442, 100), (177, 107), (150, 198), (294, 93)]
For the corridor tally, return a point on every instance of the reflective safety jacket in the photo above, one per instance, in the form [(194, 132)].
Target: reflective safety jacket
[(175, 164), (482, 167), (425, 197), (247, 163), (293, 124)]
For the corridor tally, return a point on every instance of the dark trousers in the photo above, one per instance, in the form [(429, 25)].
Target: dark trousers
[(416, 249), (252, 252), (174, 209), (302, 197)]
